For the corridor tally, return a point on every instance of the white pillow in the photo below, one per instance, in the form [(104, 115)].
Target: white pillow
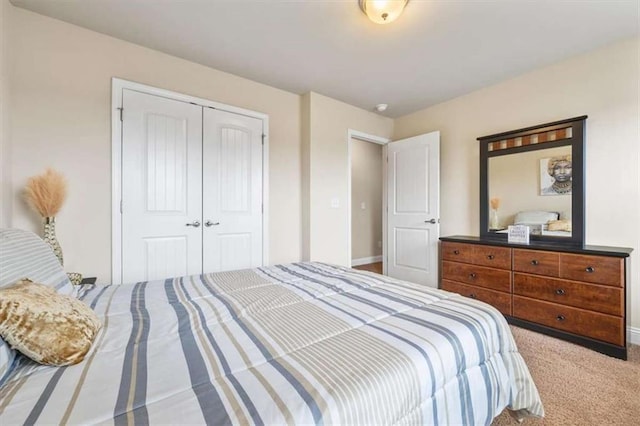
[(534, 217), (25, 255)]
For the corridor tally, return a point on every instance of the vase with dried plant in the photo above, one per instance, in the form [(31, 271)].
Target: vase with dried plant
[(46, 193), (494, 221)]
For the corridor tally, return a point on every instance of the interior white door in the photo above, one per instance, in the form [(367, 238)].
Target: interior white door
[(413, 191), (161, 187), (232, 198)]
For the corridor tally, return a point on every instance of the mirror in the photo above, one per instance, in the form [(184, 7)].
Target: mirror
[(524, 191), (534, 177)]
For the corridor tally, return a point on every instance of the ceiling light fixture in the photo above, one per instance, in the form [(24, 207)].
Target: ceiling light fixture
[(383, 11), (381, 107)]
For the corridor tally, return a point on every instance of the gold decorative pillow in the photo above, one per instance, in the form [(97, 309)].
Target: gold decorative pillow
[(559, 225), (49, 328)]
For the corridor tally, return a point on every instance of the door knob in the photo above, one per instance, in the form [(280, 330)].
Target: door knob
[(195, 224), (431, 221), (209, 223)]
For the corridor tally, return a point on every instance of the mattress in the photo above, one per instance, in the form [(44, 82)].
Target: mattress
[(304, 343)]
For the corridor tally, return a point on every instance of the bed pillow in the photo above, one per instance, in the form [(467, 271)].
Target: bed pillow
[(49, 328), (25, 255), (559, 225), (534, 217)]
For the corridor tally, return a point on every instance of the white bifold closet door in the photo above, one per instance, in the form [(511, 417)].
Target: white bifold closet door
[(191, 189), (232, 191), (161, 187)]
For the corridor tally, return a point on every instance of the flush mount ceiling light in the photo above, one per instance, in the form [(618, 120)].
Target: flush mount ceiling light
[(383, 11)]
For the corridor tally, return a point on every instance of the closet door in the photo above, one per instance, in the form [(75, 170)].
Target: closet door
[(232, 191), (161, 188)]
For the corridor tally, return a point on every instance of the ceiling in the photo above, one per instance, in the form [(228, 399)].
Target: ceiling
[(435, 51)]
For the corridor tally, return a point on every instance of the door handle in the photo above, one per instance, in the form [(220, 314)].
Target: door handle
[(195, 224), (431, 221), (209, 223)]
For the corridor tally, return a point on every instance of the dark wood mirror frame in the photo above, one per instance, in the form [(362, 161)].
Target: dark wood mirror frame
[(549, 135)]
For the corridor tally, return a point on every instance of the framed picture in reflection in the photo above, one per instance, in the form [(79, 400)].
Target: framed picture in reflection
[(555, 175)]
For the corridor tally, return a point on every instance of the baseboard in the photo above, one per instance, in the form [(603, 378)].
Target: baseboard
[(634, 335), (366, 260)]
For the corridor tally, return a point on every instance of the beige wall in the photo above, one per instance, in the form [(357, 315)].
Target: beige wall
[(305, 182), (5, 176), (602, 84), (60, 116), (329, 124), (366, 187)]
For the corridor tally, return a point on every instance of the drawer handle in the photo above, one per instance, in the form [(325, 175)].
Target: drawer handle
[(590, 269), (490, 257), (472, 275), (560, 292), (535, 262), (473, 296), (560, 318), (456, 252)]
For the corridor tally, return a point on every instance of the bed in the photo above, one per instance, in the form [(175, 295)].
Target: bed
[(303, 343)]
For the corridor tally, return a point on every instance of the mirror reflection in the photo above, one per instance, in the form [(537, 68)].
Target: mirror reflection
[(532, 188)]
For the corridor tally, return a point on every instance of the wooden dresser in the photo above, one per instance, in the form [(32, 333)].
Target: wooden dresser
[(574, 293)]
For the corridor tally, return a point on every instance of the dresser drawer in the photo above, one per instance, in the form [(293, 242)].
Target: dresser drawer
[(457, 252), (500, 301), (593, 269), (607, 328), (496, 279), (608, 300), (537, 262), (495, 257)]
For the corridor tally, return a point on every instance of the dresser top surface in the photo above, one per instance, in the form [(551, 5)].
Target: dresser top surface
[(539, 245)]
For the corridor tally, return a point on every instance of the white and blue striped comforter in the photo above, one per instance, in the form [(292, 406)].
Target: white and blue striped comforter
[(306, 343)]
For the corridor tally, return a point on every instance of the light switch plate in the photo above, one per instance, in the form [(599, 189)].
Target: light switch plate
[(335, 203)]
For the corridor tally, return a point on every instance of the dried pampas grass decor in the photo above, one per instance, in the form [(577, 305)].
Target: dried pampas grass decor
[(46, 193), (495, 203)]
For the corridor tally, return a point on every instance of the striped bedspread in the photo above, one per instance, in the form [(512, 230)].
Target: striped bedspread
[(306, 343)]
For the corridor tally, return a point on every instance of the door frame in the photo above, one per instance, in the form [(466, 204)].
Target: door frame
[(117, 86), (355, 134)]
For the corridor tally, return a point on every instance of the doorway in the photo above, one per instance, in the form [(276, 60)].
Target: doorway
[(367, 192), (366, 205), (410, 208)]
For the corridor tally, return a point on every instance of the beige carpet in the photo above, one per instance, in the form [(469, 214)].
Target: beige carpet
[(579, 386)]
